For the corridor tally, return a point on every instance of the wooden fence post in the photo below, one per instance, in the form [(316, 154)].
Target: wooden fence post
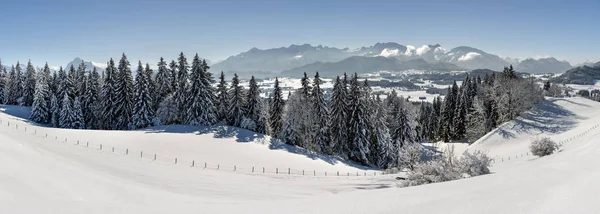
[(126, 151), (193, 163), (154, 156), (175, 160)]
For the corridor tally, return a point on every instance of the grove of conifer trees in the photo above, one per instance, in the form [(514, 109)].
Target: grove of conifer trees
[(349, 121)]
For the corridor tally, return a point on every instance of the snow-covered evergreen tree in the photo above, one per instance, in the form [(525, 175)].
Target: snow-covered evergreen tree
[(201, 109), (253, 106), (108, 98), (338, 120), (66, 113), (222, 101), (385, 153), (40, 110), (181, 93), (236, 102), (359, 125), (404, 132), (461, 110), (91, 100), (29, 85), (54, 111), (476, 126), (163, 82), (14, 86), (143, 113), (3, 80), (173, 76), (124, 95), (276, 111), (293, 121), (80, 80), (77, 115), (320, 117)]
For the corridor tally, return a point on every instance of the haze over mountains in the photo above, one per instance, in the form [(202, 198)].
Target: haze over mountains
[(296, 59)]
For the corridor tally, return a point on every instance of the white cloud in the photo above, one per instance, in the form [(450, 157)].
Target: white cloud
[(55, 68), (409, 50), (469, 56), (542, 57), (297, 56), (423, 49), (389, 52)]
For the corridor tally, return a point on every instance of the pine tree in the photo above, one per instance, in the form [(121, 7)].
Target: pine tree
[(201, 109), (320, 117), (66, 113), (181, 95), (109, 98), (253, 106), (404, 132), (163, 82), (60, 88), (9, 98), (358, 125), (124, 95), (142, 110), (29, 85), (40, 111), (80, 83), (222, 102), (15, 86), (54, 111), (173, 75), (276, 111), (339, 119), (236, 102), (91, 100), (292, 117), (3, 80), (77, 115), (384, 155), (461, 110), (448, 113)]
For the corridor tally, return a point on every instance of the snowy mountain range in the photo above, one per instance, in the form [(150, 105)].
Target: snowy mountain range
[(301, 58)]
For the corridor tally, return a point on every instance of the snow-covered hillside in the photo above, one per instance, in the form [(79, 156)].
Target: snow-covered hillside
[(39, 174)]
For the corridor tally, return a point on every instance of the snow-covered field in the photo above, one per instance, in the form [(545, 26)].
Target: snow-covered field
[(44, 175)]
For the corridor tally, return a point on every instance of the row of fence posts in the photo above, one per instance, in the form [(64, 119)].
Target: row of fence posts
[(193, 163)]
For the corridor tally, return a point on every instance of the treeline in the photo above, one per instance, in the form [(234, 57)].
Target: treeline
[(351, 122)]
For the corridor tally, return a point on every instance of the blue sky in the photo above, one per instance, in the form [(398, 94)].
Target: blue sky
[(58, 31)]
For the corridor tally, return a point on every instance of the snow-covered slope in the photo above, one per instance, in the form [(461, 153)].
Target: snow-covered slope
[(43, 175)]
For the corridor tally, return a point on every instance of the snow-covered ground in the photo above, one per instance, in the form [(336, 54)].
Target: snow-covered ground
[(43, 175)]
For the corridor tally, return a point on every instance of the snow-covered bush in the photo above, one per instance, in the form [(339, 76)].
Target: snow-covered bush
[(448, 168), (474, 164), (410, 155), (434, 171), (543, 147)]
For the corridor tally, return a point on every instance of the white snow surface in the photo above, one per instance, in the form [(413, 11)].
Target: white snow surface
[(469, 56), (43, 175)]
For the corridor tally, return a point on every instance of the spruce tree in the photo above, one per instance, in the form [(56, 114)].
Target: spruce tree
[(222, 101), (124, 95), (236, 102), (163, 82), (173, 75), (338, 120), (60, 88), (109, 98), (201, 108), (29, 85), (142, 110), (80, 83), (404, 132), (276, 111), (54, 111), (181, 95), (3, 80), (66, 113), (359, 124), (40, 111), (384, 153), (77, 115), (18, 84), (253, 106), (462, 105), (320, 117), (91, 100)]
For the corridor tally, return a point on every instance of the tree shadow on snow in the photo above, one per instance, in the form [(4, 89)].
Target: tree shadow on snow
[(246, 136), (547, 117), (21, 112)]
